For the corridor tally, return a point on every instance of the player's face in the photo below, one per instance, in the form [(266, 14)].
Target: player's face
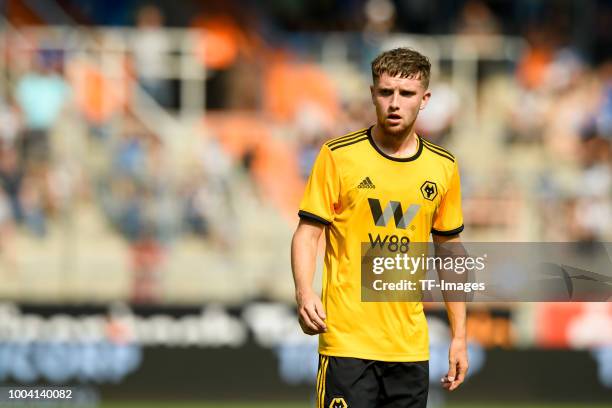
[(398, 102)]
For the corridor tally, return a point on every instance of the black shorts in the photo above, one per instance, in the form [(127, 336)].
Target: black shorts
[(344, 382)]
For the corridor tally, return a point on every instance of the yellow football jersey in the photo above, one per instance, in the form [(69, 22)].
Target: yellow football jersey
[(358, 192)]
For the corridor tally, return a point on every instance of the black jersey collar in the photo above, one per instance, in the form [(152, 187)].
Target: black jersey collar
[(397, 159)]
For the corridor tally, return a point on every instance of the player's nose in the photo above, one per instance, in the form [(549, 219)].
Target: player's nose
[(393, 103)]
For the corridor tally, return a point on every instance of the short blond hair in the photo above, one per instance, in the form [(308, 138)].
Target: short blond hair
[(402, 62)]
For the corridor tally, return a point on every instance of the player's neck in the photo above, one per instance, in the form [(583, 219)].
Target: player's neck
[(396, 145)]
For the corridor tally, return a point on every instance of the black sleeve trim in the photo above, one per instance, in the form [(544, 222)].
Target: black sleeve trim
[(313, 217), (447, 233)]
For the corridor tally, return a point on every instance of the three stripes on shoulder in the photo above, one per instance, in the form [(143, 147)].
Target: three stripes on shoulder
[(437, 150), (347, 140)]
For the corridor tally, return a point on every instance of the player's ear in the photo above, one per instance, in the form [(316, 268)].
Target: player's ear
[(425, 99), (372, 90)]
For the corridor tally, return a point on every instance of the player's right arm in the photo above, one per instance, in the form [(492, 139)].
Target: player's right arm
[(303, 264), (317, 210)]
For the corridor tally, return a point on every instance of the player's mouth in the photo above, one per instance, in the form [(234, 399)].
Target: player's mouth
[(394, 118)]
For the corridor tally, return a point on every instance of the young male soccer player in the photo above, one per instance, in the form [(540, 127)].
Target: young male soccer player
[(381, 180)]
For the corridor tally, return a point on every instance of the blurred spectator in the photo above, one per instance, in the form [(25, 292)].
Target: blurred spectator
[(357, 114), (380, 17), (133, 198), (313, 130), (291, 85), (125, 190), (98, 97), (309, 149), (11, 178), (10, 122), (602, 119), (197, 210), (556, 94), (151, 47), (23, 191), (208, 201), (219, 42), (7, 252), (565, 69), (591, 217), (476, 18), (533, 64), (147, 259), (129, 153), (41, 94), (32, 202), (233, 56), (494, 206), (435, 121)]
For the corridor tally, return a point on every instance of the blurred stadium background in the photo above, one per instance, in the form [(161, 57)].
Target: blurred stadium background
[(152, 156)]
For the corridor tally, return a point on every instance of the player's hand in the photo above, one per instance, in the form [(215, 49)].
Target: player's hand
[(457, 365), (310, 313)]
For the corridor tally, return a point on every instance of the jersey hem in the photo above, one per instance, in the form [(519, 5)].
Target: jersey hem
[(389, 357)]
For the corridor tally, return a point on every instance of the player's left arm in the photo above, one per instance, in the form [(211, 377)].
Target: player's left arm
[(456, 310)]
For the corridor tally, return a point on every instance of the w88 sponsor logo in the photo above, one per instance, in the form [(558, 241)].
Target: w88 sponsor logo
[(392, 242)]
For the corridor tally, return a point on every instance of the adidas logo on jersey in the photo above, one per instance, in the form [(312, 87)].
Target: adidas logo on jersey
[(366, 183)]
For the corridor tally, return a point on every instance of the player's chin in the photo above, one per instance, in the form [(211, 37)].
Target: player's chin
[(392, 128)]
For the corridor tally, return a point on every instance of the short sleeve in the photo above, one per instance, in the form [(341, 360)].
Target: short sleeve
[(322, 190), (448, 218)]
